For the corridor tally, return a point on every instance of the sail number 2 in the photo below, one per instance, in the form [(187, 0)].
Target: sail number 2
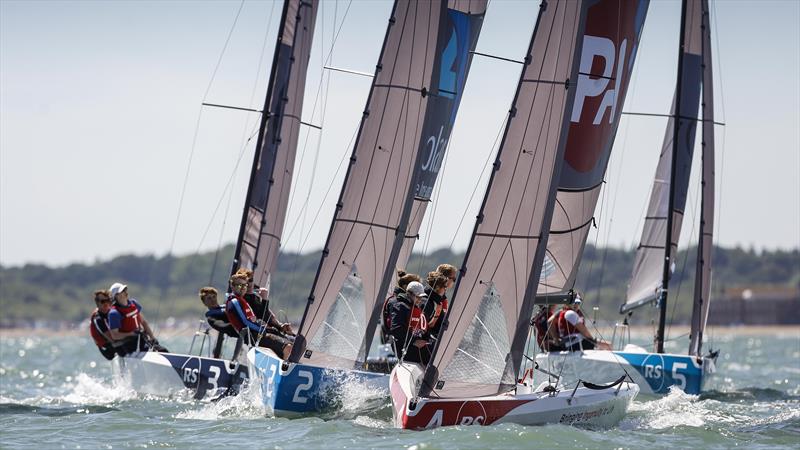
[(303, 387)]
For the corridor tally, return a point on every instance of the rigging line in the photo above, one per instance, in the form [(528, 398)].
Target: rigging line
[(242, 141), (313, 112), (692, 233), (718, 222), (489, 155), (192, 151)]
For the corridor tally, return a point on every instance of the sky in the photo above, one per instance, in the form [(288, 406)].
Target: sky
[(105, 148)]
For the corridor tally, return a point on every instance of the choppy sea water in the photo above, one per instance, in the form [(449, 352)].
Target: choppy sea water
[(58, 392)]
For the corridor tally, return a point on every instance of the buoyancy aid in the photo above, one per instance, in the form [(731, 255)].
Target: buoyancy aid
[(98, 329), (131, 320), (249, 320), (418, 320)]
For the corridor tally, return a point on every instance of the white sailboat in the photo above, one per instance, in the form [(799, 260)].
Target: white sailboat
[(406, 123), (560, 129), (210, 374), (656, 372)]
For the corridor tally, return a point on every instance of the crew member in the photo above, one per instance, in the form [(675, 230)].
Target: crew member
[(247, 324), (98, 325)]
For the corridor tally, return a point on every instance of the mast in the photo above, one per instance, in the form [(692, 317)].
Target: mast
[(662, 303), (702, 283)]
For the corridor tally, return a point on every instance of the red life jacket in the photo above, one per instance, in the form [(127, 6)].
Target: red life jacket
[(439, 313), (418, 320), (564, 327), (233, 317), (98, 328), (130, 317)]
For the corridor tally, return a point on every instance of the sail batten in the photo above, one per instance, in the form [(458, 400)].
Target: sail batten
[(273, 163)]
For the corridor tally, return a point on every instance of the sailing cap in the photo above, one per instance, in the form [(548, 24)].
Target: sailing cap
[(416, 288), (116, 288)]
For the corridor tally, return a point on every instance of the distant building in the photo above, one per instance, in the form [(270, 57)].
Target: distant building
[(756, 305)]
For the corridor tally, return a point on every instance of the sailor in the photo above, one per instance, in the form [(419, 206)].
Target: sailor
[(546, 329), (215, 316), (439, 281), (243, 319), (258, 299), (128, 325), (407, 324), (573, 332), (403, 279), (98, 325)]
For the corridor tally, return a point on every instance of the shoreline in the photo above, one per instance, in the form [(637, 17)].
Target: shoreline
[(676, 330)]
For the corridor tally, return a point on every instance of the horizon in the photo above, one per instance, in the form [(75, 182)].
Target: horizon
[(80, 77)]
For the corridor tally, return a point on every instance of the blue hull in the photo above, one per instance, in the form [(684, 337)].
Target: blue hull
[(662, 372), (306, 389)]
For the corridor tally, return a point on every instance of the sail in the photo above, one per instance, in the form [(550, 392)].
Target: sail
[(648, 268), (609, 46), (461, 36), (374, 206), (702, 280), (480, 351), (273, 163)]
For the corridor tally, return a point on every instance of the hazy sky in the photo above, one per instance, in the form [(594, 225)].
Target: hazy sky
[(99, 103)]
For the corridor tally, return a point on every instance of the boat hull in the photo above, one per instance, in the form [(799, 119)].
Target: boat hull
[(169, 374), (589, 407), (295, 389), (655, 373)]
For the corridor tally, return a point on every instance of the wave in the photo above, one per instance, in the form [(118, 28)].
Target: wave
[(750, 393), (19, 408)]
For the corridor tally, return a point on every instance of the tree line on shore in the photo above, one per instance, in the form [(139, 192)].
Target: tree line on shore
[(167, 286)]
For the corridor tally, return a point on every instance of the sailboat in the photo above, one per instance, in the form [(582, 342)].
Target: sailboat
[(402, 136), (658, 372), (576, 68), (209, 374)]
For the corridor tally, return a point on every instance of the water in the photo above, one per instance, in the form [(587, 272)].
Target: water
[(57, 392)]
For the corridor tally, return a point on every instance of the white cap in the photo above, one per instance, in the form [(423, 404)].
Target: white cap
[(416, 288), (116, 288)]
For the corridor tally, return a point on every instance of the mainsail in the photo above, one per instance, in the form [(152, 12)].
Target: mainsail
[(273, 163), (702, 284), (480, 352), (670, 188), (458, 45), (609, 46), (374, 207)]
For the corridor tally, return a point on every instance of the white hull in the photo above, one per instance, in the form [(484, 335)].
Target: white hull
[(596, 408), (655, 373)]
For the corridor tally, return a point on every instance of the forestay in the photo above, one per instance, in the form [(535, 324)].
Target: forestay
[(480, 351), (702, 286), (374, 206), (271, 175), (609, 49), (648, 269)]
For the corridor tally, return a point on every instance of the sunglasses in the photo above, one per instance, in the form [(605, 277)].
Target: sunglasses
[(239, 285), (103, 300)]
